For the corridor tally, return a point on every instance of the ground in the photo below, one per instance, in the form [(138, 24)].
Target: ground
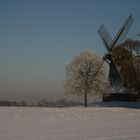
[(75, 123)]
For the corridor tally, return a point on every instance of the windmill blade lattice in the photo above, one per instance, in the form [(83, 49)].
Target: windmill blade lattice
[(107, 40), (122, 32)]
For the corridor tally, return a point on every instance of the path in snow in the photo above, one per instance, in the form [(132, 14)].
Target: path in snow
[(69, 123)]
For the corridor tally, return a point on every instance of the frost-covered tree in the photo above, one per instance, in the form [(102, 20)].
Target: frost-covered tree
[(85, 76)]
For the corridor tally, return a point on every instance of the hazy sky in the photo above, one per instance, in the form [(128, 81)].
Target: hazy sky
[(38, 38)]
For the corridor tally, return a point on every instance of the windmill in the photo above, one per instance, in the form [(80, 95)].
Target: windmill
[(117, 76)]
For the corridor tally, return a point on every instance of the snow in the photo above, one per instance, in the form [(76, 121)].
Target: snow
[(75, 123)]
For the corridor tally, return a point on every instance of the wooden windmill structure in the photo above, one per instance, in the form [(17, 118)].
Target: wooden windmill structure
[(120, 60)]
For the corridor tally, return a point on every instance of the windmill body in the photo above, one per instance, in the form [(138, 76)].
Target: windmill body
[(123, 75)]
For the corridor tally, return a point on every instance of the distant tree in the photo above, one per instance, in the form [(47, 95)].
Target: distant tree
[(85, 76), (22, 103), (43, 103)]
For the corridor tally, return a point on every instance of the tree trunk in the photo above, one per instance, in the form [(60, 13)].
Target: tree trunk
[(85, 99)]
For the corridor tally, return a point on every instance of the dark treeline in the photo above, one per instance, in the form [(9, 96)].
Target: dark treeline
[(42, 103), (14, 103)]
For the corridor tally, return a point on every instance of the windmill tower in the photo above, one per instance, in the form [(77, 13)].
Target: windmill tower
[(115, 76), (119, 77)]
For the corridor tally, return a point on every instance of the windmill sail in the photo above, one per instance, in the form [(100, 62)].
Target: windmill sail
[(107, 40), (122, 32)]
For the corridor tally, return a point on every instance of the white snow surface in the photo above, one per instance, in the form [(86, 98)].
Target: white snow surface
[(75, 123)]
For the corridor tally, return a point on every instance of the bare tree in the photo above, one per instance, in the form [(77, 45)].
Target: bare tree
[(84, 76)]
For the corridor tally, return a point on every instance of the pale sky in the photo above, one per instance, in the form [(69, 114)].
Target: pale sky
[(38, 38)]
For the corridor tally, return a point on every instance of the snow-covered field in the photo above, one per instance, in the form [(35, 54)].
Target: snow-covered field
[(93, 123)]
